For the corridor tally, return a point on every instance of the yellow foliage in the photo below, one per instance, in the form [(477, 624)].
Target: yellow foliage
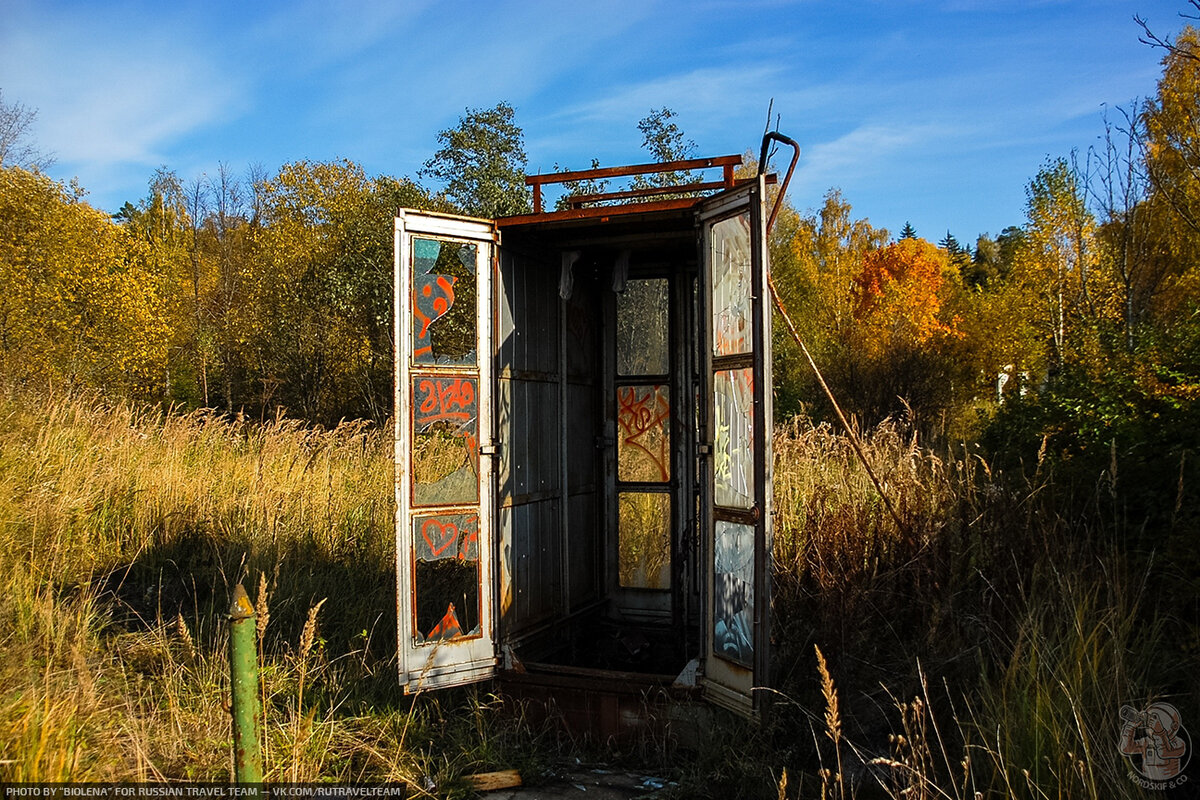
[(897, 292), (81, 304)]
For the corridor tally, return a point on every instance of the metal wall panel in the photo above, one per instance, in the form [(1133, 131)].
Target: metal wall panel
[(530, 426), (581, 455), (584, 545)]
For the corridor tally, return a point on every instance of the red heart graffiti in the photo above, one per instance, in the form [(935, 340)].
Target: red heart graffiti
[(445, 534)]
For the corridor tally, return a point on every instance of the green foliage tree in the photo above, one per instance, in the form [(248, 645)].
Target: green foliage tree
[(665, 141), (591, 186), (481, 163)]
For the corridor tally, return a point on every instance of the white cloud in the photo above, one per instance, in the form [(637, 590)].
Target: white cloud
[(724, 92), (108, 91), (872, 148)]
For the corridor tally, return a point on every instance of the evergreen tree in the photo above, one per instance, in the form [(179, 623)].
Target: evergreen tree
[(959, 256)]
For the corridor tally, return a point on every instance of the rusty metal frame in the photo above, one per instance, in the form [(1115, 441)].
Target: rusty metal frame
[(442, 663), (726, 163), (728, 683)]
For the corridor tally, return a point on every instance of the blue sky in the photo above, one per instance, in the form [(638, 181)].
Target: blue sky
[(938, 113)]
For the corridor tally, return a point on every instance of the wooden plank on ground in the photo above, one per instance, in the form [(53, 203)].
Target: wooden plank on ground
[(491, 781)]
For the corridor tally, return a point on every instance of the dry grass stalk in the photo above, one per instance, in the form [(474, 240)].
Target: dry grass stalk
[(833, 726), (309, 634), (833, 720), (262, 608), (185, 636)]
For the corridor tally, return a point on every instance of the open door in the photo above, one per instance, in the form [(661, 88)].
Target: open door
[(444, 435), (736, 478)]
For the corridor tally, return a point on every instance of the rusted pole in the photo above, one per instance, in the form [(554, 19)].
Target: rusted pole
[(243, 663)]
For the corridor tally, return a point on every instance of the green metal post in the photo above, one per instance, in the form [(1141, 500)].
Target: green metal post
[(243, 662)]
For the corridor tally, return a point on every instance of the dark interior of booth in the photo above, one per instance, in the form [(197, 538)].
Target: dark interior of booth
[(597, 418)]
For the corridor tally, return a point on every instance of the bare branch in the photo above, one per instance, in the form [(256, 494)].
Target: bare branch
[(1152, 39), (15, 151)]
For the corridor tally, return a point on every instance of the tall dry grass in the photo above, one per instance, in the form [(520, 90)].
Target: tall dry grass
[(122, 532), (992, 639), (1033, 628)]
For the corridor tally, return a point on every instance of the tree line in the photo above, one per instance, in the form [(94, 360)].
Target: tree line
[(261, 292), (253, 293), (1091, 303)]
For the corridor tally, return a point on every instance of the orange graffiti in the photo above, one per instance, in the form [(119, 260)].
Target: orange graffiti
[(448, 629), (642, 413), (438, 304), (444, 398)]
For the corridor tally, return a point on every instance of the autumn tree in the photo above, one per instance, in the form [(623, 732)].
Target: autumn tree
[(1171, 134), (897, 294), (161, 224), (905, 342), (318, 335), (80, 304), (1057, 263), (814, 258)]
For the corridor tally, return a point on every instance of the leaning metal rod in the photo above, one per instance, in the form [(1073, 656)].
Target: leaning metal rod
[(837, 408), (762, 166)]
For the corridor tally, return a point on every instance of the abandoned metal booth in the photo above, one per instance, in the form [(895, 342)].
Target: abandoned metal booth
[(583, 442)]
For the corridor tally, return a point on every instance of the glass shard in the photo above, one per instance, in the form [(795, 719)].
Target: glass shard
[(443, 302)]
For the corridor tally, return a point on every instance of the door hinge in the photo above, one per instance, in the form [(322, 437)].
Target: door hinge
[(489, 449)]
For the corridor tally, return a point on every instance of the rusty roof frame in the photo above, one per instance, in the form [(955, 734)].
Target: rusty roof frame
[(576, 209)]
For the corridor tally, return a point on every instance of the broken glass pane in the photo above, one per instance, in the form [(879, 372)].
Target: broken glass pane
[(733, 453), (643, 341), (733, 592), (443, 302), (644, 442), (445, 442), (731, 286), (446, 579), (644, 533)]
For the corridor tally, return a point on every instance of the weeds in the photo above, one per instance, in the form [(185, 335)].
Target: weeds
[(122, 531), (1038, 625)]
